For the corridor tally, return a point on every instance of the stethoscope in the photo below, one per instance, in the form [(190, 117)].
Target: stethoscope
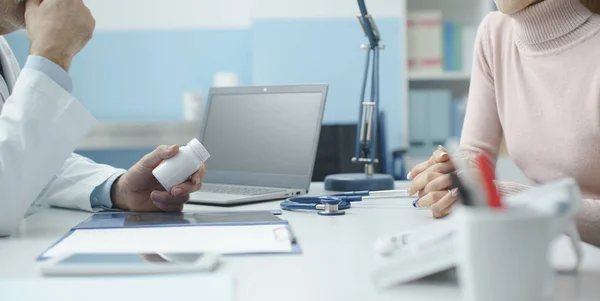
[(335, 204)]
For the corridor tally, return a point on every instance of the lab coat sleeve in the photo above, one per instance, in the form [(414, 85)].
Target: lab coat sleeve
[(54, 71), (73, 186), (40, 126)]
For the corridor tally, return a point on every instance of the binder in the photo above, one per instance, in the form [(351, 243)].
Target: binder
[(428, 41), (430, 120), (452, 46), (440, 114), (419, 124), (122, 220), (411, 39)]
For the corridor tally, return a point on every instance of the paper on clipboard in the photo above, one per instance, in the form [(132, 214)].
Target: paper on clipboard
[(216, 239)]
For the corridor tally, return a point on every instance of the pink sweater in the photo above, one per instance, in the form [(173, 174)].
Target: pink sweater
[(536, 82)]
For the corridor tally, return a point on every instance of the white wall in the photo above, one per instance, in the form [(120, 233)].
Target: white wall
[(292, 9), (170, 14)]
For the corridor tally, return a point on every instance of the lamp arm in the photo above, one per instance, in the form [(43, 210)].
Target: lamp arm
[(368, 25), (366, 136)]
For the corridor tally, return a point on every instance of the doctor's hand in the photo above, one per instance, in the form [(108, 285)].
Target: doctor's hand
[(138, 190), (58, 29), (433, 183)]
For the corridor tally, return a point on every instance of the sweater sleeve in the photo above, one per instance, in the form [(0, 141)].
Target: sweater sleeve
[(482, 131), (588, 222), (509, 188)]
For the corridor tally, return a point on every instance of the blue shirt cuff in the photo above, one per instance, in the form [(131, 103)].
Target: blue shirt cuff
[(52, 70), (100, 198)]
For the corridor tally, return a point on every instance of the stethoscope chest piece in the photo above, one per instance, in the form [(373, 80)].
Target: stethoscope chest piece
[(331, 207)]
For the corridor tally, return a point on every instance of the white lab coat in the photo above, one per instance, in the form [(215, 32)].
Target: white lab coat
[(40, 126)]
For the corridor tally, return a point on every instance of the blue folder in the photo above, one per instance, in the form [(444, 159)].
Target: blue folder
[(114, 220)]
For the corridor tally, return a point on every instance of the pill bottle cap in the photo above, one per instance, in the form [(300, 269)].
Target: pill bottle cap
[(199, 149)]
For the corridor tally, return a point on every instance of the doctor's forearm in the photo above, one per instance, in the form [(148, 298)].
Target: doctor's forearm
[(40, 125), (81, 184)]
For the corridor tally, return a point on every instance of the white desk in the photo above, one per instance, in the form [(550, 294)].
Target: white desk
[(336, 263)]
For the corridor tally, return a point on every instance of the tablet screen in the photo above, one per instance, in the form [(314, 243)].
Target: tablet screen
[(131, 259)]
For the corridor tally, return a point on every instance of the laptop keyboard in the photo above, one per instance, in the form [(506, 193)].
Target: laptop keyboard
[(239, 190)]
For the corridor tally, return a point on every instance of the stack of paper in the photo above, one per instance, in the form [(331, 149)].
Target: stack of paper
[(214, 239)]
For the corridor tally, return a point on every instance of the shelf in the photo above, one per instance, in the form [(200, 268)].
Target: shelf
[(110, 136), (442, 76)]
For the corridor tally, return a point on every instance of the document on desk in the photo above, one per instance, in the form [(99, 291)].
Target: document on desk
[(215, 239), (214, 287)]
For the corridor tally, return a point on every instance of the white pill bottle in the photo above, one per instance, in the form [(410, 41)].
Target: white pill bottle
[(178, 169)]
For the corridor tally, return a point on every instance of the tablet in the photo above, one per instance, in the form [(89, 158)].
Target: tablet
[(94, 264)]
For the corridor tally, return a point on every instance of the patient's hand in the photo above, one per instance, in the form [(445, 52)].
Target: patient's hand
[(433, 183)]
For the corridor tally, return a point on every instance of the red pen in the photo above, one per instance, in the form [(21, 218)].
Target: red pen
[(487, 177)]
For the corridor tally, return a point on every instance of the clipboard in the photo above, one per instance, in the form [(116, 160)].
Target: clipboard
[(164, 219), (122, 220)]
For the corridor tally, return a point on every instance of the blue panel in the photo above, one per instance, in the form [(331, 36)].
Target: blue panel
[(457, 117), (449, 49), (141, 75), (440, 117), (328, 51), (419, 123)]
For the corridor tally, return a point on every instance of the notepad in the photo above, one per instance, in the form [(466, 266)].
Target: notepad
[(198, 287), (214, 239)]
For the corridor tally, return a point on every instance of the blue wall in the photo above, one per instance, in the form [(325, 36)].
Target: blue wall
[(301, 51), (118, 158), (141, 75)]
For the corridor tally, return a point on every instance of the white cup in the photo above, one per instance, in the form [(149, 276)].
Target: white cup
[(192, 106), (503, 253), (226, 79)]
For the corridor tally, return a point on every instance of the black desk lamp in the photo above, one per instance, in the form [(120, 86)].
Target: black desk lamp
[(366, 137)]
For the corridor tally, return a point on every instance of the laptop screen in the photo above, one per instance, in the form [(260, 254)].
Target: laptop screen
[(263, 138)]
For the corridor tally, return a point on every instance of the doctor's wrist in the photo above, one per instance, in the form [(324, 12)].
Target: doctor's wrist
[(118, 195), (61, 59)]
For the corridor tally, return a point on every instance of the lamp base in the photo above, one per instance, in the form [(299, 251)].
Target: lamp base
[(359, 182)]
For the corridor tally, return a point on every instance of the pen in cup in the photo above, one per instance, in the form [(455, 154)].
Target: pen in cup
[(462, 190), (487, 182), (470, 182)]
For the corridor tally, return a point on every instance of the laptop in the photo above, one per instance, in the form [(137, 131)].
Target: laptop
[(262, 142)]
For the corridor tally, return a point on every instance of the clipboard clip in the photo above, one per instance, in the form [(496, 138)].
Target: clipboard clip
[(285, 233)]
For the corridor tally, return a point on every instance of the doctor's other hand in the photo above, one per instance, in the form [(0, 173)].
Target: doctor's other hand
[(433, 183), (58, 29), (138, 190)]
